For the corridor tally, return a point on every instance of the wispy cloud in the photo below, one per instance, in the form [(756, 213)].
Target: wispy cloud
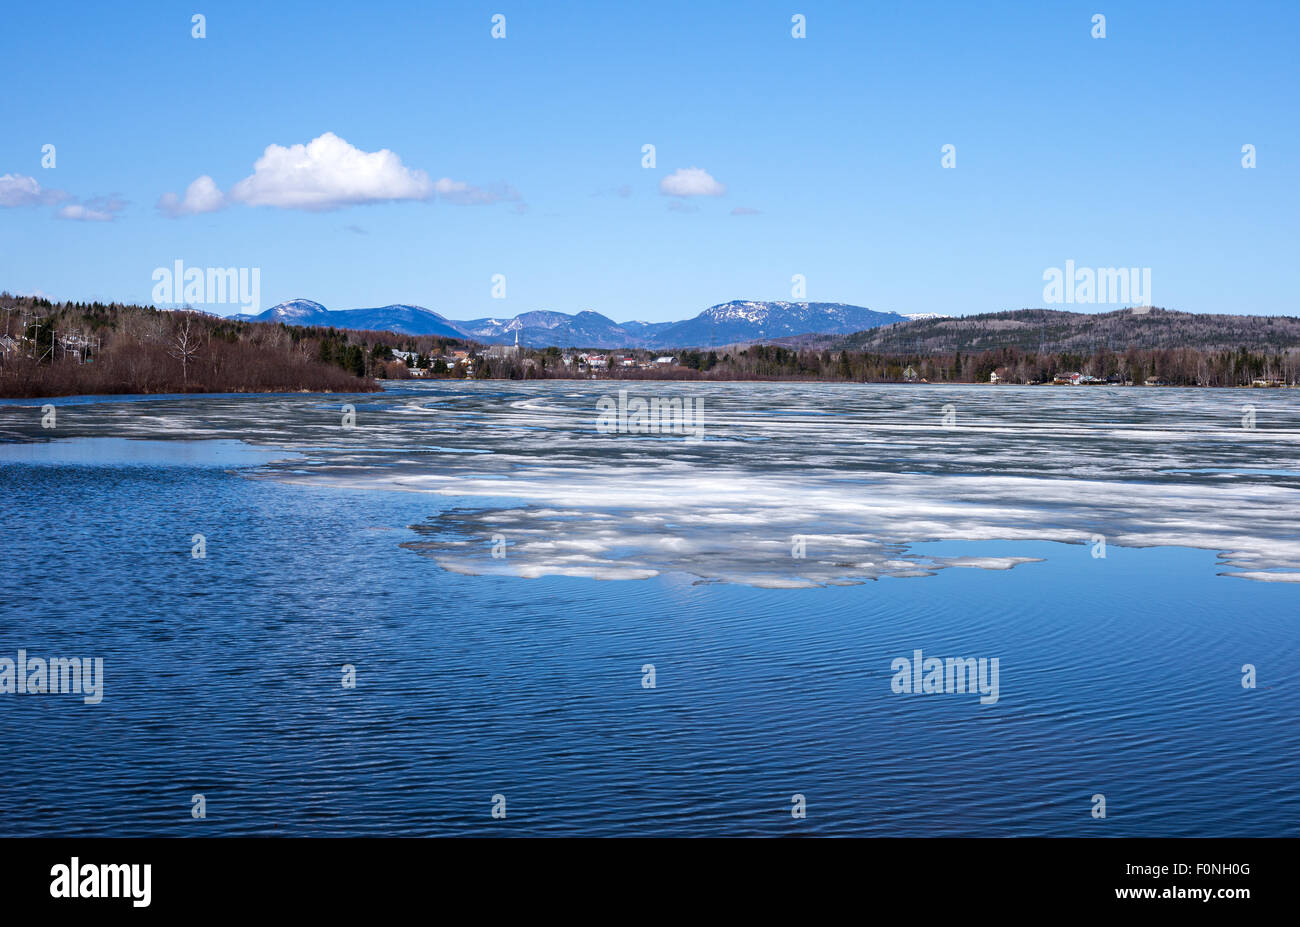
[(96, 209), (745, 211), (20, 190), (462, 194)]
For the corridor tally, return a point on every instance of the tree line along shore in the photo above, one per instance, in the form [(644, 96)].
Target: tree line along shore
[(59, 349)]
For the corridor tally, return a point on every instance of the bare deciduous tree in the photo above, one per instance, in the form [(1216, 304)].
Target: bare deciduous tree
[(184, 346)]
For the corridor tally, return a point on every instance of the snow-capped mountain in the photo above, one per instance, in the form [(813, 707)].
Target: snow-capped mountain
[(293, 312), (409, 320), (726, 323), (544, 328), (754, 320)]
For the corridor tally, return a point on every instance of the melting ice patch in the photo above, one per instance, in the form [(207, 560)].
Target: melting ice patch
[(733, 525), (796, 484)]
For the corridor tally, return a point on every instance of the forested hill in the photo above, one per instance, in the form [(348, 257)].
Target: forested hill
[(1053, 331), (62, 349)]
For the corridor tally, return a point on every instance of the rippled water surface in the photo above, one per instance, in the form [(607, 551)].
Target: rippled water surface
[(499, 572)]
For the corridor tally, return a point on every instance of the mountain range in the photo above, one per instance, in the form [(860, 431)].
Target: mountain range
[(726, 323)]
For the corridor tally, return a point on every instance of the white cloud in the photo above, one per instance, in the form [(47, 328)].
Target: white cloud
[(691, 181), (201, 196), (21, 190), (744, 211), (99, 209), (80, 213), (327, 173)]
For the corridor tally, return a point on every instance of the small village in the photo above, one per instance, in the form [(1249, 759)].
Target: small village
[(460, 363)]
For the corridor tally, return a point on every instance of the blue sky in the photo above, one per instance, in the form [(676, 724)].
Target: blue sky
[(1115, 152)]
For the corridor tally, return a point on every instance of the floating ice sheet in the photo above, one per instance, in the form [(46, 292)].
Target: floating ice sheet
[(793, 484)]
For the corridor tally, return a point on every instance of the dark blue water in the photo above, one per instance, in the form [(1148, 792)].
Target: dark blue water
[(222, 677), (370, 546)]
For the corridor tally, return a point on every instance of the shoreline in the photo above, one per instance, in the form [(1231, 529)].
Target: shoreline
[(380, 387)]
